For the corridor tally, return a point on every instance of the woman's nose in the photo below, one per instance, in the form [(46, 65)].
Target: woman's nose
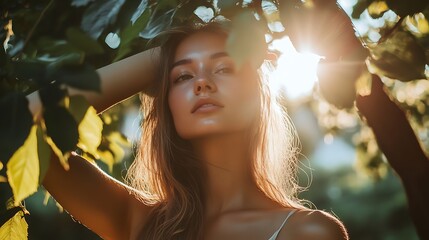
[(203, 84)]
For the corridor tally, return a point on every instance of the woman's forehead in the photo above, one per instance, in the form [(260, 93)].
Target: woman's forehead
[(199, 45)]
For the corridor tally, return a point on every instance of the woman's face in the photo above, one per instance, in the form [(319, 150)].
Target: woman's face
[(208, 95)]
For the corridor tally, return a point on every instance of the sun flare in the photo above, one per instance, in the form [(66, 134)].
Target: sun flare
[(296, 73)]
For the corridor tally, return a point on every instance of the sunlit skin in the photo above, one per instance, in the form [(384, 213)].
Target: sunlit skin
[(235, 208), (203, 71), (219, 134)]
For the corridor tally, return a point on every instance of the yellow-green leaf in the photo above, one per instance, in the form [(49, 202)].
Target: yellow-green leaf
[(90, 125), (63, 158), (115, 153), (23, 169), (44, 153), (15, 228), (90, 131), (377, 8), (400, 57), (418, 24), (240, 47)]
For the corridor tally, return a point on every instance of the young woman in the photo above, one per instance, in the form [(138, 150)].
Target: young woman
[(216, 159)]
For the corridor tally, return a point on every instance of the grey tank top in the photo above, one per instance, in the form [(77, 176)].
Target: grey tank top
[(276, 233)]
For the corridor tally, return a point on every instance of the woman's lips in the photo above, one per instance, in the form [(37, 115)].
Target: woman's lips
[(206, 108), (206, 105)]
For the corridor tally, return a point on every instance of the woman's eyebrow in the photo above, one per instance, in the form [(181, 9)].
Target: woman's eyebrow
[(188, 61), (219, 55), (181, 62)]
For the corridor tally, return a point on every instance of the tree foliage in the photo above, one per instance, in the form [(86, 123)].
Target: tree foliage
[(48, 45)]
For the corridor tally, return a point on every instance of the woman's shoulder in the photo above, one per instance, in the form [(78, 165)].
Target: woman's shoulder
[(311, 224)]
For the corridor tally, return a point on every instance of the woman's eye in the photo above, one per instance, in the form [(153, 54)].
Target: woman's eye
[(183, 77), (224, 70)]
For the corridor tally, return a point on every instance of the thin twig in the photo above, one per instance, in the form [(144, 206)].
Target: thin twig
[(30, 34)]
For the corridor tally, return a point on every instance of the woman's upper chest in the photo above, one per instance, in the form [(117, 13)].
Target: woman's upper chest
[(260, 225)]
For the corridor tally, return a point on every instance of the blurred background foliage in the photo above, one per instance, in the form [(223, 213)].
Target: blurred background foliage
[(49, 43)]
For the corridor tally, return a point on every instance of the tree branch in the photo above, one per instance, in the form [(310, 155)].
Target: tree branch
[(402, 149)]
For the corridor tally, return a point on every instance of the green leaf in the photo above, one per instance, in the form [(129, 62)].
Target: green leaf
[(229, 8), (245, 27), (61, 127), (111, 151), (82, 77), (44, 153), (142, 7), (26, 70), (8, 214), (83, 42), (51, 95), (90, 125), (54, 47), (225, 4), (15, 124), (160, 21), (337, 81), (99, 15), (15, 229), (130, 33), (23, 169), (399, 57), (67, 59), (80, 3)]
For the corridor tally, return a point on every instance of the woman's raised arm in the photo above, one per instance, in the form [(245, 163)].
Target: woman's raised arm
[(101, 203), (119, 81)]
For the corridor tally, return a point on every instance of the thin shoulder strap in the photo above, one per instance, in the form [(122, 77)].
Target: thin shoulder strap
[(281, 226)]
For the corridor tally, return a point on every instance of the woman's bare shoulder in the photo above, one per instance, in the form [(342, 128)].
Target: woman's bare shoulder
[(309, 224)]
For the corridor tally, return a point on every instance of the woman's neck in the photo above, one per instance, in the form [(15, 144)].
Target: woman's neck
[(229, 183)]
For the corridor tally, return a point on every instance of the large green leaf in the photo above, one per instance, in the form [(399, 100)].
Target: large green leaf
[(61, 127), (99, 15), (29, 70), (82, 41), (54, 47), (23, 169), (82, 77), (8, 214), (229, 8), (240, 48), (130, 33), (51, 95), (399, 57), (80, 3), (15, 124), (160, 21)]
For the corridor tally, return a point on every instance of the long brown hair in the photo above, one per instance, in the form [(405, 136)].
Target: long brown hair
[(170, 178)]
